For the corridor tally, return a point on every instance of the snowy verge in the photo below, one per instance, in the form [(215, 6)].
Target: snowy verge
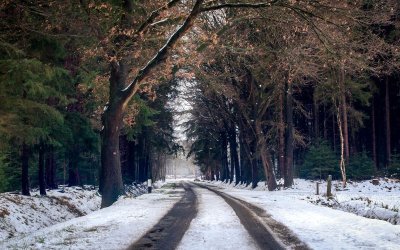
[(23, 214), (115, 227), (322, 227), (380, 201)]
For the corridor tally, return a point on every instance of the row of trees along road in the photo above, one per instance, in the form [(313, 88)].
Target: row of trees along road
[(72, 70), (283, 80)]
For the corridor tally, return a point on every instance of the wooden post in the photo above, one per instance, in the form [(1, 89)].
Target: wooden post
[(149, 186), (329, 186), (318, 187)]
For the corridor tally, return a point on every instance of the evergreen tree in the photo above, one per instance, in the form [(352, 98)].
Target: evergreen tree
[(319, 162)]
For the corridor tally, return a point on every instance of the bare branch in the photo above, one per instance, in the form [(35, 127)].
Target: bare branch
[(239, 5), (155, 14), (129, 91)]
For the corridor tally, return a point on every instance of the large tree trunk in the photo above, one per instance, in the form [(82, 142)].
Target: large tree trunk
[(265, 158), (387, 123), (288, 174), (42, 180), (111, 185), (25, 170)]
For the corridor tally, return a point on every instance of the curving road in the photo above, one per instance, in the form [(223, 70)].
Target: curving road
[(218, 220)]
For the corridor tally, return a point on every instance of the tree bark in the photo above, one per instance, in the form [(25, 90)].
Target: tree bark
[(325, 125), (111, 185), (244, 159), (387, 123), (334, 133), (374, 136), (73, 172), (50, 170), (342, 149), (25, 170), (316, 116), (288, 174), (224, 157), (343, 105), (234, 154), (265, 157), (281, 150), (42, 180)]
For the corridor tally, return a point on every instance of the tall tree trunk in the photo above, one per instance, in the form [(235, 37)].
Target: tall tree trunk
[(111, 185), (42, 181), (50, 170), (73, 172), (316, 116), (254, 171), (234, 154), (142, 161), (265, 157), (387, 123), (374, 136), (325, 125), (132, 161), (342, 149), (244, 166), (25, 170), (343, 105), (288, 174), (232, 162), (281, 150), (224, 159), (334, 133)]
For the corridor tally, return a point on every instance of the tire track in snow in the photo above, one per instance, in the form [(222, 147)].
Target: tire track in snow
[(168, 232), (216, 226), (261, 226)]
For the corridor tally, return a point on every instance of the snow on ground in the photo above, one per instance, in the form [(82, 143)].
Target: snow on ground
[(322, 227), (115, 227), (365, 199), (216, 226), (23, 214)]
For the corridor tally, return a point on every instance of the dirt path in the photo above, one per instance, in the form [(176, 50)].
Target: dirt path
[(168, 232)]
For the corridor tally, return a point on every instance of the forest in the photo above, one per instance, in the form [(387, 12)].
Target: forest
[(277, 89)]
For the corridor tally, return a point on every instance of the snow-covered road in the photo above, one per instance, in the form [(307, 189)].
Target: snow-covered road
[(216, 226)]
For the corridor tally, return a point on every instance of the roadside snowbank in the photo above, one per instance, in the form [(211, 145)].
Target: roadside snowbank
[(322, 227), (23, 214), (115, 227)]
